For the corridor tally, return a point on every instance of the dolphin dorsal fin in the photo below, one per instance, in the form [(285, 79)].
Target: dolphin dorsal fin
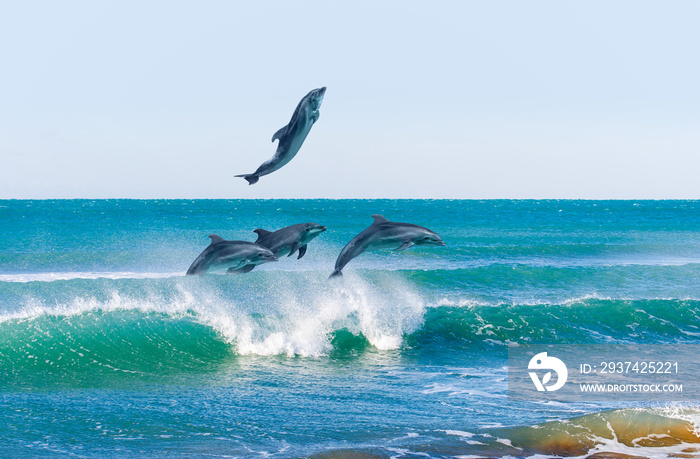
[(279, 133), (378, 219), (215, 239), (262, 233)]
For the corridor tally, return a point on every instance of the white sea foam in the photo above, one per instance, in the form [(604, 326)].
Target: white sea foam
[(50, 277), (298, 318), (613, 446), (459, 433), (306, 315), (469, 303), (573, 301)]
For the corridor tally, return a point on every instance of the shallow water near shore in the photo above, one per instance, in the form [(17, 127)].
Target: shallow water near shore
[(108, 349)]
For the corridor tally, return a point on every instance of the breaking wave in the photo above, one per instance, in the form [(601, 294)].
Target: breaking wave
[(88, 329)]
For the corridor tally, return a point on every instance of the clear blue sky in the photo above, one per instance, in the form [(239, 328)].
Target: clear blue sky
[(460, 99)]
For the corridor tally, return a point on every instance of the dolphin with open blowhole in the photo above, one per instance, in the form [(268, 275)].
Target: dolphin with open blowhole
[(230, 256), (384, 234), (290, 239), (291, 136)]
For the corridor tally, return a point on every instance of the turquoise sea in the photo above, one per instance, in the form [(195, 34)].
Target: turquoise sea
[(107, 349)]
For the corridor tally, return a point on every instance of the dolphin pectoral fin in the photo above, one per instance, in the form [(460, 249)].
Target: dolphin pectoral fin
[(243, 270), (315, 115), (293, 249), (279, 134), (302, 251), (404, 246)]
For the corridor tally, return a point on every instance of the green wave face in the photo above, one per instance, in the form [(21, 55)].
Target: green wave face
[(578, 321), (97, 348), (111, 347)]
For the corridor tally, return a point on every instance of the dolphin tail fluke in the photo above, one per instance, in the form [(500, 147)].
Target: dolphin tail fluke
[(336, 273), (252, 178)]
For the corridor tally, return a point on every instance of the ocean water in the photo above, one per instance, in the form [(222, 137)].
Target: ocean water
[(108, 349)]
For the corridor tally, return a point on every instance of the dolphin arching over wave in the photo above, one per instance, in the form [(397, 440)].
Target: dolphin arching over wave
[(230, 256), (288, 240), (291, 136), (384, 234)]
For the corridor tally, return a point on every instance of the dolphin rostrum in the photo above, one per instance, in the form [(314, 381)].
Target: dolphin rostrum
[(292, 135), (383, 234), (232, 256), (288, 240)]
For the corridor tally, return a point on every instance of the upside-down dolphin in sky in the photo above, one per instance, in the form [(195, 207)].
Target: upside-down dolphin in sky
[(230, 256), (383, 234), (291, 136)]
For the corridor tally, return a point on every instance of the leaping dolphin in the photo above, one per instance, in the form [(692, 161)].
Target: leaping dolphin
[(232, 256), (291, 136), (383, 234), (288, 240)]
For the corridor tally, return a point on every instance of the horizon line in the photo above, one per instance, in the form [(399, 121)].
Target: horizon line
[(349, 199)]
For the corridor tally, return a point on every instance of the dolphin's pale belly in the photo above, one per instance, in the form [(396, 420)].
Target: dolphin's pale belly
[(226, 263), (281, 247), (282, 251), (385, 243)]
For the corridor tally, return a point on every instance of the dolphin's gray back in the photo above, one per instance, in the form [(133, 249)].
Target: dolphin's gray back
[(355, 247), (282, 239)]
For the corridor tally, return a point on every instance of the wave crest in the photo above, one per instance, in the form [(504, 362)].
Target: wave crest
[(291, 318)]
